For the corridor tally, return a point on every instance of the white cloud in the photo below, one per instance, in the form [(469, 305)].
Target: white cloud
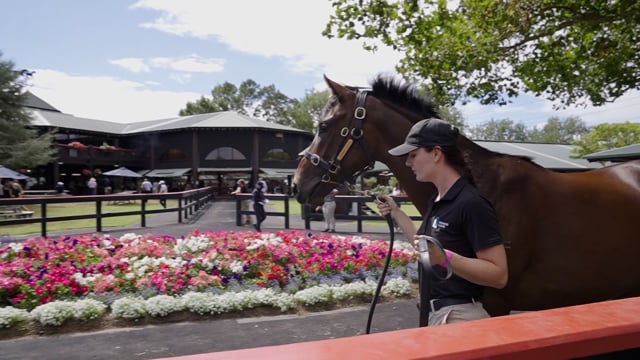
[(135, 65), (290, 29), (191, 63), (107, 98)]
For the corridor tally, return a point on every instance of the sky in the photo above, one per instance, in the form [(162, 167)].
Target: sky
[(127, 61)]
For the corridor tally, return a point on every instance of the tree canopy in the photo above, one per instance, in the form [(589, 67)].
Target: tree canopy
[(20, 144), (607, 136), (263, 102), (572, 51)]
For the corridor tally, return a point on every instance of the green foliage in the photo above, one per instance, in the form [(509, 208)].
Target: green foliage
[(607, 136), (266, 103), (20, 145), (572, 51), (500, 130), (557, 131)]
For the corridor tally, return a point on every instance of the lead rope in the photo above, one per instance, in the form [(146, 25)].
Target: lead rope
[(374, 301)]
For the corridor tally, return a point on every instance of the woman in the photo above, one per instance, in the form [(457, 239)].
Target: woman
[(245, 203), (458, 216), (258, 205)]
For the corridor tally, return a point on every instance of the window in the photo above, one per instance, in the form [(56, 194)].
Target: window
[(225, 153), (276, 155)]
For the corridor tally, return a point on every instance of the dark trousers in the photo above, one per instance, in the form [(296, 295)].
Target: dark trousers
[(260, 214)]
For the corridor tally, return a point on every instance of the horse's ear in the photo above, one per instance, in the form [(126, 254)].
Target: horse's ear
[(338, 90)]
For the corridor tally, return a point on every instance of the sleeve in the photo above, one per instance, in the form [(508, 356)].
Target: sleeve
[(481, 224)]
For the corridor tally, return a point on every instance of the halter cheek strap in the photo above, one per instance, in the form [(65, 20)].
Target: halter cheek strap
[(350, 135)]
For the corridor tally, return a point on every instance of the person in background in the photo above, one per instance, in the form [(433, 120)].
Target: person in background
[(17, 192), (265, 187), (245, 203), (163, 189), (92, 184), (146, 187), (59, 188), (458, 216), (329, 211), (259, 201)]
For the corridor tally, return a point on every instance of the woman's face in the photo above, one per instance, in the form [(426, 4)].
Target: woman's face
[(422, 163)]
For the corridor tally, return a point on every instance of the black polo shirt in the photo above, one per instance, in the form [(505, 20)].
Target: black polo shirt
[(464, 222)]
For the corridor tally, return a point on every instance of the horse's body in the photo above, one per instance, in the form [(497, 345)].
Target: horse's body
[(571, 238)]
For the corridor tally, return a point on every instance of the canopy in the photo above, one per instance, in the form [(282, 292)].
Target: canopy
[(6, 173), (122, 171)]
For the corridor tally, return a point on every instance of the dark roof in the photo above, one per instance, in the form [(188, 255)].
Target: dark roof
[(34, 102), (220, 120), (550, 156), (624, 153)]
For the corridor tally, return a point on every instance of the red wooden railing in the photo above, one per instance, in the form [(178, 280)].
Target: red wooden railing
[(563, 333)]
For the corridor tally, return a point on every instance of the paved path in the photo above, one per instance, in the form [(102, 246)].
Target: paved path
[(157, 341)]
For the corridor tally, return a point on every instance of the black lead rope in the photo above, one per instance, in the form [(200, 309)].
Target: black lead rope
[(424, 274), (374, 301)]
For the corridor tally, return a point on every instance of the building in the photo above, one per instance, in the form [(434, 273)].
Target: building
[(206, 149)]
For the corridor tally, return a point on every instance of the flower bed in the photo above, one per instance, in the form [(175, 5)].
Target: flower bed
[(52, 281)]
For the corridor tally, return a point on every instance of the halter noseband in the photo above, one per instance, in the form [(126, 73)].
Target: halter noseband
[(350, 134)]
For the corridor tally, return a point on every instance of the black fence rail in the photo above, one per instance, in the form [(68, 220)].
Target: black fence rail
[(363, 211), (189, 203)]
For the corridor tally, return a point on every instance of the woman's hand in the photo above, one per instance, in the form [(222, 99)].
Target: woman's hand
[(386, 207)]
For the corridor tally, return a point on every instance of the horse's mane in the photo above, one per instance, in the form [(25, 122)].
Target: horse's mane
[(403, 94)]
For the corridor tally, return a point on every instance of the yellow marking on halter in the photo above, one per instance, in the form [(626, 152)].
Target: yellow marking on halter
[(345, 148)]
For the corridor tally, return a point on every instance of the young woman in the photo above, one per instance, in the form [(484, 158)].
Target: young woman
[(459, 217)]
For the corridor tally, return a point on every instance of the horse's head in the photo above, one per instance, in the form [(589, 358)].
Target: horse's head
[(356, 128)]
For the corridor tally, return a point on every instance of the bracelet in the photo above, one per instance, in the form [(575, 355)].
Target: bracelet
[(447, 258)]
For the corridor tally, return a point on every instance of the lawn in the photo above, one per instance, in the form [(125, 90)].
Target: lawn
[(67, 209)]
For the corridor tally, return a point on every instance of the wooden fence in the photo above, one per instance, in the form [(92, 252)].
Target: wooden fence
[(189, 202)]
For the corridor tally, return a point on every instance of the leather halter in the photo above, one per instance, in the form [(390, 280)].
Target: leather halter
[(350, 135)]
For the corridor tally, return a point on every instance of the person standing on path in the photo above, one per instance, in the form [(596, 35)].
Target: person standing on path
[(162, 189), (245, 203), (329, 211), (258, 205)]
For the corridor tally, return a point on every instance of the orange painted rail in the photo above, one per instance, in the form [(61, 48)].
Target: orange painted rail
[(562, 333)]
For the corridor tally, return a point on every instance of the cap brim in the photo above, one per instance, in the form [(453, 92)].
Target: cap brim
[(402, 149)]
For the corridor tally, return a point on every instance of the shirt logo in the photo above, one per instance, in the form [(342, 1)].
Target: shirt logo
[(438, 224)]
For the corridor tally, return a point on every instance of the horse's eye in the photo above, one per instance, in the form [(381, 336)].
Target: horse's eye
[(322, 127)]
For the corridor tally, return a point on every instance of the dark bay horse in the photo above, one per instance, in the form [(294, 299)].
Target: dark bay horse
[(571, 238)]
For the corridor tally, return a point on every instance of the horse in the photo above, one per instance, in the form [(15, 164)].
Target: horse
[(571, 238)]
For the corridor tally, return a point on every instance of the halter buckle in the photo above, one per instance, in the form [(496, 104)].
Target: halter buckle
[(333, 168), (325, 178), (315, 159), (360, 113), (344, 131), (357, 133)]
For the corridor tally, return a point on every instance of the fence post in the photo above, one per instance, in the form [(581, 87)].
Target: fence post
[(286, 211), (43, 211), (99, 215)]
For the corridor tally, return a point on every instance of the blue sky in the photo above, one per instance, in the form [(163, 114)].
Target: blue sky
[(128, 61)]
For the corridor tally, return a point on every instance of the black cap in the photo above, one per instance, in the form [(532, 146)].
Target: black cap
[(427, 132)]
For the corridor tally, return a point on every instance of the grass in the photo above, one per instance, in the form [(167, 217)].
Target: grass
[(83, 208)]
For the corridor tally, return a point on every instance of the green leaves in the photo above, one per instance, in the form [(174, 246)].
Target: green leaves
[(572, 51)]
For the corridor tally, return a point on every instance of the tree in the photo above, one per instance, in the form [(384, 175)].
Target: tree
[(557, 131), (607, 136), (249, 99), (500, 130), (454, 116), (573, 51), (307, 111), (20, 145)]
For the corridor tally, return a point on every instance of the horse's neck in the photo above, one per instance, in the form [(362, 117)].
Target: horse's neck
[(491, 170)]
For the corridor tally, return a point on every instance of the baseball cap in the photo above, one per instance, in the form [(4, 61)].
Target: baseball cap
[(427, 132)]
